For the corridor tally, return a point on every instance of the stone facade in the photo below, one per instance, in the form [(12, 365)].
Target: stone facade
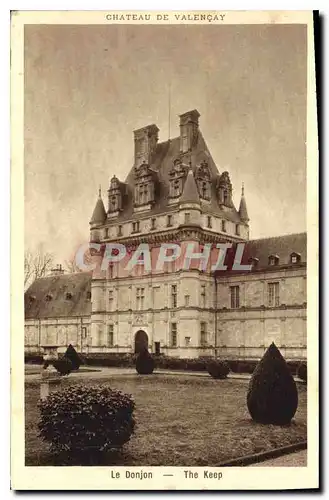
[(174, 193)]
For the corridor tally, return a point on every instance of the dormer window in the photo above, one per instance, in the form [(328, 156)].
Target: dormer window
[(253, 261), (68, 295), (115, 196), (273, 260), (295, 258), (145, 180)]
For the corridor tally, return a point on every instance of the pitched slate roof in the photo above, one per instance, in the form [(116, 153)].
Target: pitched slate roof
[(55, 288), (282, 246), (262, 249), (162, 162), (243, 212), (190, 192), (99, 214)]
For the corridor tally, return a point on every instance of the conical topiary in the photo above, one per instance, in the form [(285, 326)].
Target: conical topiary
[(73, 356), (144, 363), (272, 395)]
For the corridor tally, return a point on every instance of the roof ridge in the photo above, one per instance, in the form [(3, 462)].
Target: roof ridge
[(279, 236)]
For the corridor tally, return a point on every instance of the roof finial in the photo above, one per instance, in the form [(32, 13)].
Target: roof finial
[(99, 192), (242, 191)]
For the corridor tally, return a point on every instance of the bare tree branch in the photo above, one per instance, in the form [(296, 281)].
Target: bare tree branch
[(36, 265)]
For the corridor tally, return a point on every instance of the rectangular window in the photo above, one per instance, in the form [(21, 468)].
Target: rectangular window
[(224, 226), (110, 336), (135, 227), (107, 232), (169, 220), (203, 334), (173, 295), (273, 294), (235, 297), (111, 270), (153, 224), (120, 230), (203, 295), (187, 300), (209, 222), (187, 341), (173, 335), (110, 300), (237, 229), (187, 218), (140, 298)]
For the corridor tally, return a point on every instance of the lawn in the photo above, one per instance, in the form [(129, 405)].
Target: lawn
[(181, 421)]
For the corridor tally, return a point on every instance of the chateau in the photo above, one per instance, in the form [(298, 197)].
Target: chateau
[(174, 193)]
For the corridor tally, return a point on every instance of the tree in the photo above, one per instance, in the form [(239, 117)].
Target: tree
[(36, 265), (72, 266)]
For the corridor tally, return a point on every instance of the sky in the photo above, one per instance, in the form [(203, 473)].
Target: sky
[(88, 87)]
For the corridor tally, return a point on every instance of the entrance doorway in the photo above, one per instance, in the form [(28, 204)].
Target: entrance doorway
[(141, 341)]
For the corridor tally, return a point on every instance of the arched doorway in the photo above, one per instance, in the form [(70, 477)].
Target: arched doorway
[(141, 341)]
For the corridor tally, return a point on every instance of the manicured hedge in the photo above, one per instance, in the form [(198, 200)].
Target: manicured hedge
[(33, 358), (86, 421), (302, 371), (128, 360)]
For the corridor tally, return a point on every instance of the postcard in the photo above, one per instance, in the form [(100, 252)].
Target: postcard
[(164, 202)]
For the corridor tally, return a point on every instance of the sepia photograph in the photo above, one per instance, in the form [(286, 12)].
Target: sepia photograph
[(170, 254)]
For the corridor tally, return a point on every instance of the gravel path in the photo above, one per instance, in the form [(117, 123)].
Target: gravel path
[(298, 459)]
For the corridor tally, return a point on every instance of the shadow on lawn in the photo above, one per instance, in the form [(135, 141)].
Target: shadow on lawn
[(64, 459)]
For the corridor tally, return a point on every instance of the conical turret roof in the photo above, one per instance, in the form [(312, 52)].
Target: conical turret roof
[(99, 214), (190, 192), (243, 212)]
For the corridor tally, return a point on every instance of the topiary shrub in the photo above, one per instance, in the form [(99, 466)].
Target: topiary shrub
[(63, 365), (218, 369), (144, 363), (86, 421), (74, 357), (302, 371), (272, 395)]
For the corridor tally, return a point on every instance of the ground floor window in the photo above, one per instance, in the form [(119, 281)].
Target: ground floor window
[(110, 336), (173, 335), (203, 333)]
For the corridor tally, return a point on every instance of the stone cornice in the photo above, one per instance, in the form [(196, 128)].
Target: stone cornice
[(176, 235)]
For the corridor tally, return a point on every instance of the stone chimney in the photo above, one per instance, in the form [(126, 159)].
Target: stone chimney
[(56, 271), (146, 139), (189, 127)]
